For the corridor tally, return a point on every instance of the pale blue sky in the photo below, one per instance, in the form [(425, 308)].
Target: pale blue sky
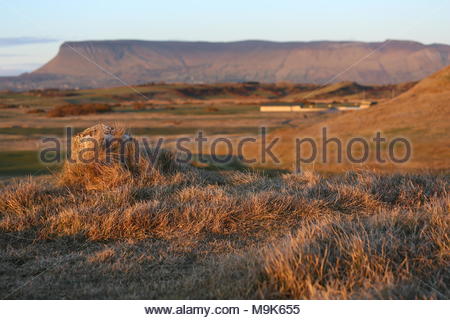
[(31, 31)]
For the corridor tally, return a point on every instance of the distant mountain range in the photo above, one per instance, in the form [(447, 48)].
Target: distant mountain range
[(89, 64)]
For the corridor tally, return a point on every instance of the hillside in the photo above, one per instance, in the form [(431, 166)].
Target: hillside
[(425, 105), (420, 114), (317, 62)]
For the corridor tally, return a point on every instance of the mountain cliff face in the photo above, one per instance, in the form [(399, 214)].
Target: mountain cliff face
[(92, 63)]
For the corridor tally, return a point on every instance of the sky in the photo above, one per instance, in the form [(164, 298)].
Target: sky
[(32, 31)]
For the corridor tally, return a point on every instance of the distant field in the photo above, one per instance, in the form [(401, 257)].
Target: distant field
[(19, 163), (171, 110), (162, 131), (174, 110), (223, 109), (27, 131), (231, 91)]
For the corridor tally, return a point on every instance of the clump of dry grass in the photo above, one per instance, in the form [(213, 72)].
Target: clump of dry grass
[(244, 234), (105, 157), (101, 156), (398, 254)]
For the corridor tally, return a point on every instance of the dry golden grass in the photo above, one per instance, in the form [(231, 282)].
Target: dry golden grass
[(394, 254), (166, 231)]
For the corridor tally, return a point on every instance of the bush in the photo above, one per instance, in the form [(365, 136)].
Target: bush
[(36, 110), (76, 110), (139, 106), (9, 106), (212, 109)]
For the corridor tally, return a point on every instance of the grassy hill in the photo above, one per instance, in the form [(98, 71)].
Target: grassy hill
[(420, 115)]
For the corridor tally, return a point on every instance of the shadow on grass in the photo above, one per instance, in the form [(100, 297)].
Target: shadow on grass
[(233, 165)]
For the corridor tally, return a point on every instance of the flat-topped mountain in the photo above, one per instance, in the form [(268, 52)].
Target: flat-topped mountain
[(92, 63)]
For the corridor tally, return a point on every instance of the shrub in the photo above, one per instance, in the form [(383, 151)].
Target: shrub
[(212, 109), (76, 110), (36, 110), (139, 106), (9, 106)]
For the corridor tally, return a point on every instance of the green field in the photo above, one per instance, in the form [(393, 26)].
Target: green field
[(19, 163), (140, 131)]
